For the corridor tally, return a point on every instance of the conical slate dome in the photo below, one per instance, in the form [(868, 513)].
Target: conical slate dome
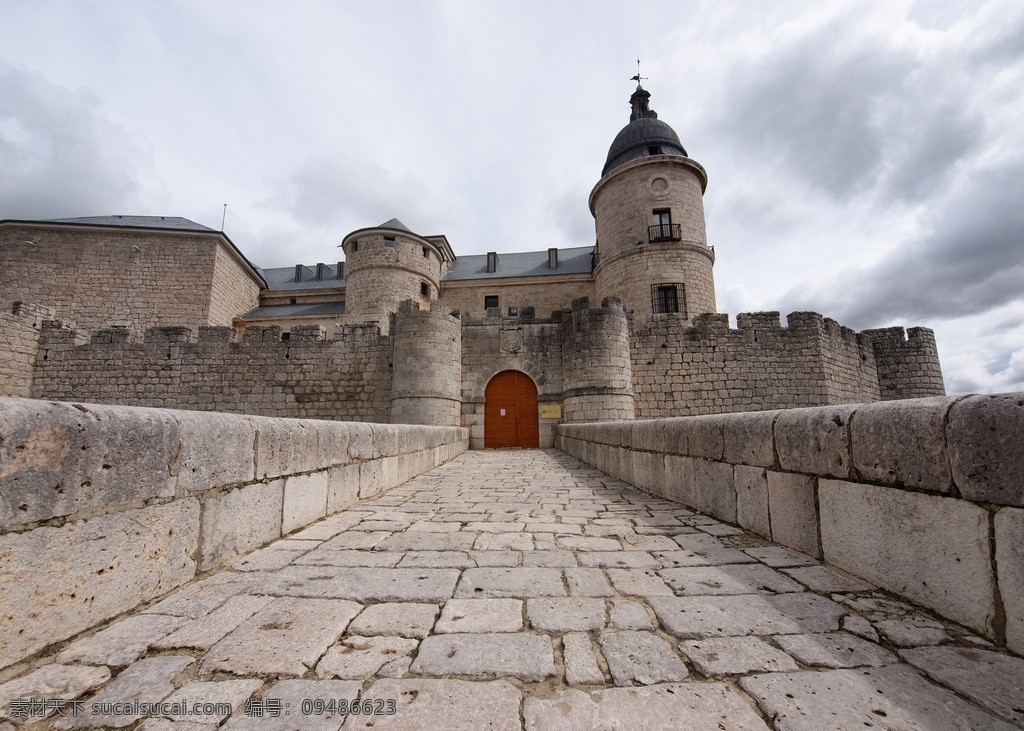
[(644, 136)]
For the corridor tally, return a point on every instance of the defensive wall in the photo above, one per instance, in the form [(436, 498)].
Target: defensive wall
[(123, 504), (922, 497), (434, 366), (705, 368), (20, 327)]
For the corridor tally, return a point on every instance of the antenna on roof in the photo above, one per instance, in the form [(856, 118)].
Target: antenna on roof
[(223, 218), (638, 77)]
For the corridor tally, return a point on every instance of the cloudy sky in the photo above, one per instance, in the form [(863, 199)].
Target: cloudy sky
[(866, 159)]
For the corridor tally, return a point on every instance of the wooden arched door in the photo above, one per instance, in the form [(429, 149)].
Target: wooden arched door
[(510, 411)]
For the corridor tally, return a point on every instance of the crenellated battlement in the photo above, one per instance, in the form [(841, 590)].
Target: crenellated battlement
[(706, 366)]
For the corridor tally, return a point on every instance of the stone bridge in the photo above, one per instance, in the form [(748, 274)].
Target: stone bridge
[(177, 570)]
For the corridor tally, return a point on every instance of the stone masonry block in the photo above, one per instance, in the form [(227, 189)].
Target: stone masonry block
[(794, 517), (57, 458), (752, 499), (237, 521), (679, 480), (986, 434), (649, 472), (748, 437), (106, 565), (902, 443), (815, 440), (714, 489), (695, 436), (1009, 535), (344, 487), (216, 450), (933, 550), (285, 446), (649, 435), (305, 500)]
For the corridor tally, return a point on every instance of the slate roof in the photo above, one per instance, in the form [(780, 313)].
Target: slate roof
[(168, 223), (273, 311), (522, 264), (283, 278)]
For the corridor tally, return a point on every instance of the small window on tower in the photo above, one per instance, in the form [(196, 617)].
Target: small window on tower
[(426, 253), (490, 301), (668, 298), (424, 289), (355, 246), (654, 150), (389, 241)]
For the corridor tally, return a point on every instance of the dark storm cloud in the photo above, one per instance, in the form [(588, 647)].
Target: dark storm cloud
[(970, 258), (59, 155), (846, 111)]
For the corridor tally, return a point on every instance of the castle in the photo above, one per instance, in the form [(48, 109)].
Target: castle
[(404, 331)]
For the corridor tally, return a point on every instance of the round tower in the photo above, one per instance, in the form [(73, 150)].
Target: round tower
[(652, 250), (389, 264), (597, 373), (427, 361)]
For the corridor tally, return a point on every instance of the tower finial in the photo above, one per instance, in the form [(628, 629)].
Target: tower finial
[(638, 77)]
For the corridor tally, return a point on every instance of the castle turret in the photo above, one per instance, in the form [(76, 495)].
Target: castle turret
[(652, 251), (598, 375), (389, 264), (427, 362)]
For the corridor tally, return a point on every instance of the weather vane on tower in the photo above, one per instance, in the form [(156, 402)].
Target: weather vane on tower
[(638, 77)]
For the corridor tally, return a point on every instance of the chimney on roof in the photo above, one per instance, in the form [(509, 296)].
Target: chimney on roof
[(341, 270), (492, 261), (321, 272), (553, 258), (298, 272)]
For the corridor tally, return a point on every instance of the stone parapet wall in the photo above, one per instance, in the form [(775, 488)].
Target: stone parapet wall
[(105, 507), (707, 367), (307, 376), (922, 497), (20, 325)]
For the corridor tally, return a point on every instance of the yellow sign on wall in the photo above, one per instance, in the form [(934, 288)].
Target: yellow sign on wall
[(551, 411)]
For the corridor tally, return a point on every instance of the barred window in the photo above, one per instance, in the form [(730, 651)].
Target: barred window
[(668, 298)]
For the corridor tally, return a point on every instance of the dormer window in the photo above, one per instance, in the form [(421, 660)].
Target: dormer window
[(654, 150)]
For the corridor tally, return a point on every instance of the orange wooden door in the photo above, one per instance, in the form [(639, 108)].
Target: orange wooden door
[(510, 411)]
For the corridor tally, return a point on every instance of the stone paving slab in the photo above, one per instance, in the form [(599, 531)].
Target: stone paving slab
[(479, 594), (285, 638), (454, 705), (703, 707), (528, 657), (892, 697), (361, 584)]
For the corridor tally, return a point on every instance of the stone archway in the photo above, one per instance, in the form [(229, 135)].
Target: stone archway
[(511, 416)]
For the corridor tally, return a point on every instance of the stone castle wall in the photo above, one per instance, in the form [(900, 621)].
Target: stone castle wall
[(708, 368), (495, 344), (139, 279), (20, 326), (232, 292), (347, 378), (544, 296)]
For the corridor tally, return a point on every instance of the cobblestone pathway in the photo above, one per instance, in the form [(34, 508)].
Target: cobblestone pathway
[(521, 589)]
